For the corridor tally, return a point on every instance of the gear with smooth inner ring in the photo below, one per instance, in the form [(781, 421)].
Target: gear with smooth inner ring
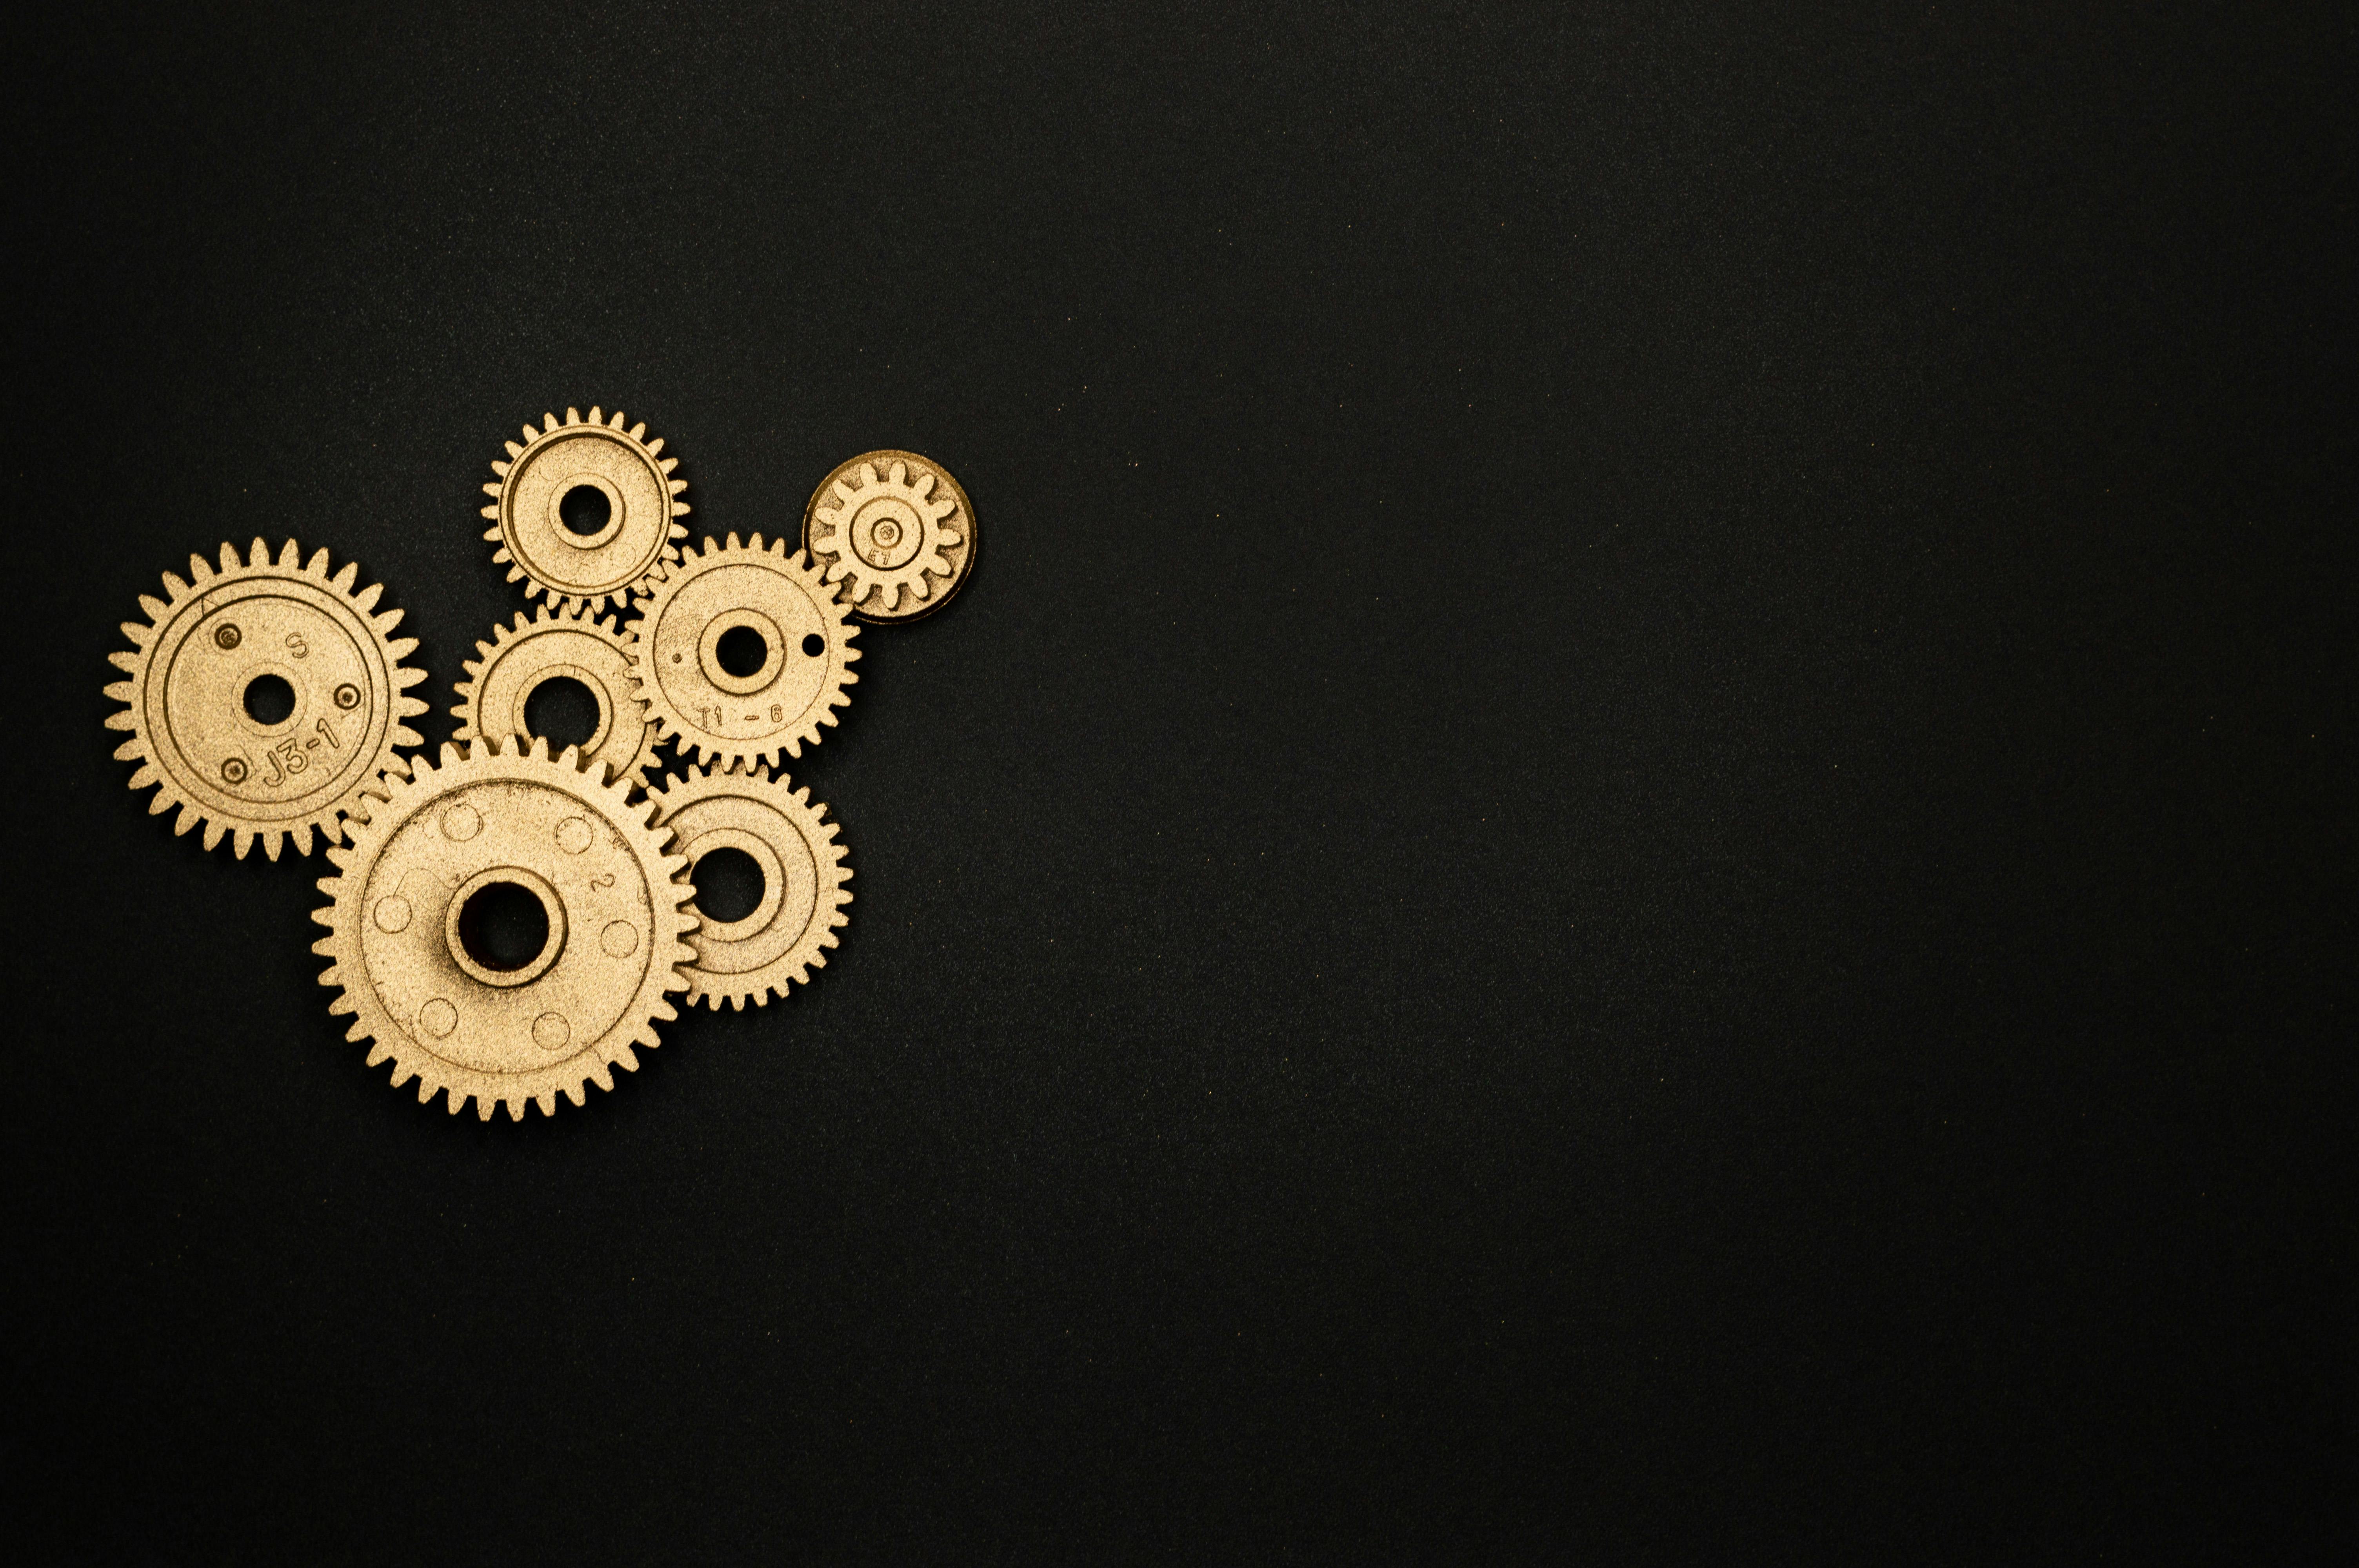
[(558, 644), (407, 940), (583, 509), (788, 835), (741, 596), (221, 646), (883, 534)]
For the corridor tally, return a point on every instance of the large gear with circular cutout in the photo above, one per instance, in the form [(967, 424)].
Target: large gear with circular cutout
[(895, 530), (555, 644), (805, 635), (193, 672), (785, 936), (406, 964), (626, 482)]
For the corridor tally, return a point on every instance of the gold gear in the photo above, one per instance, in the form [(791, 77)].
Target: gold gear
[(807, 639), (398, 914), (199, 651), (804, 895), (630, 473), (883, 534), (508, 669)]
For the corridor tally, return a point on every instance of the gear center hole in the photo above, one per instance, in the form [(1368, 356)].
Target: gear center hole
[(584, 509), (729, 885), (562, 711), (269, 699), (504, 926), (742, 651)]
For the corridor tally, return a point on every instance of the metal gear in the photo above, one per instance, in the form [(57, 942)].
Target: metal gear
[(807, 654), (403, 952), (633, 488), (883, 535), (554, 644), (190, 670), (787, 835)]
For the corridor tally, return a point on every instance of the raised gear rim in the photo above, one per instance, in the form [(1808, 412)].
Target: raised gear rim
[(885, 577), (781, 706), (804, 896), (199, 706), (640, 535), (505, 671), (440, 831)]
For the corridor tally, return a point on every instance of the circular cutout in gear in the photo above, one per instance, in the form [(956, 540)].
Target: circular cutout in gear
[(443, 1005), (552, 646), (713, 608), (786, 935), (203, 672), (895, 531), (583, 509)]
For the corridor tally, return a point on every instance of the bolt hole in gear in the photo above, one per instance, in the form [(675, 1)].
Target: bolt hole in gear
[(584, 509), (269, 699), (894, 532), (729, 885), (504, 926), (742, 652), (563, 712), (265, 697)]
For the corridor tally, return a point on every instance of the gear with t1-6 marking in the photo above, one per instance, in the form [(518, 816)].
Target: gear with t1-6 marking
[(743, 651), (266, 698), (582, 510), (559, 645), (779, 941), (895, 530), (426, 873)]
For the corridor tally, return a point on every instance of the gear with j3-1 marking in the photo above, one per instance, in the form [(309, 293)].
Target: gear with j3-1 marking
[(743, 651), (264, 697), (583, 509), (456, 849), (785, 935), (558, 646)]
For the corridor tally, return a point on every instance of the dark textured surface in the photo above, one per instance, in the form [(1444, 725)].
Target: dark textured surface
[(1637, 842)]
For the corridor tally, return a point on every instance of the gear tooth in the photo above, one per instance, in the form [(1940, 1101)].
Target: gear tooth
[(301, 838), (365, 599), (492, 512), (549, 422), (455, 1101), (530, 434), (573, 416), (342, 581), (602, 1078), (500, 556), (679, 531), (173, 585), (655, 448), (271, 844), (121, 691), (575, 1092), (291, 556), (403, 735), (123, 660), (199, 573), (483, 1109), (547, 1101), (379, 1055), (491, 489), (450, 754), (515, 450), (733, 544), (500, 468), (399, 648), (346, 1007), (156, 610), (213, 831), (680, 508), (517, 576), (147, 775), (626, 1058)]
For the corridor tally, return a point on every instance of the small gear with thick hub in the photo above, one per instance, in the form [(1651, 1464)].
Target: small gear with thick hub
[(887, 524), (779, 941), (264, 697), (583, 509), (421, 881), (560, 644), (742, 652)]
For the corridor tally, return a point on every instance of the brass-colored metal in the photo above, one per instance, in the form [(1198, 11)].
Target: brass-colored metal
[(508, 669), (444, 1015), (895, 530), (631, 475), (787, 835), (676, 660), (217, 634)]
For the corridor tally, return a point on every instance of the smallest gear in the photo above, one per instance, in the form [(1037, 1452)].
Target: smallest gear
[(895, 531), (520, 660), (785, 935)]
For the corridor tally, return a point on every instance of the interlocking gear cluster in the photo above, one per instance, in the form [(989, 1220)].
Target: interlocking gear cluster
[(509, 921)]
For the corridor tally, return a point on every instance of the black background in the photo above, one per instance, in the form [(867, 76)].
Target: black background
[(1638, 843)]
